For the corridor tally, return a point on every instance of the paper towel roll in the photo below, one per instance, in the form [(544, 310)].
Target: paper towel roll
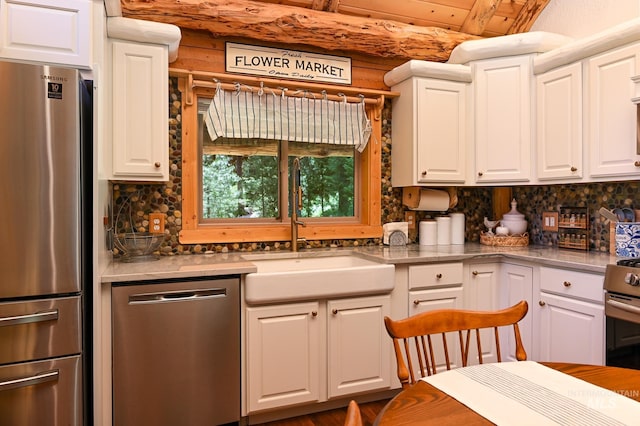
[(428, 233), (457, 228), (444, 230), (434, 200)]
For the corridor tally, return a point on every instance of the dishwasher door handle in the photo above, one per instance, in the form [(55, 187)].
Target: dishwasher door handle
[(176, 296)]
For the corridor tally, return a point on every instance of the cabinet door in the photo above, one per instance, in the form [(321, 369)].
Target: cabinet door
[(431, 300), (441, 131), (481, 294), (47, 31), (140, 112), (559, 123), (611, 114), (571, 330), (503, 119), (516, 284), (283, 356), (359, 348)]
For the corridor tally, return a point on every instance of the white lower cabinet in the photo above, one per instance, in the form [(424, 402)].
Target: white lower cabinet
[(358, 346), (482, 293), (310, 352), (283, 355), (571, 330), (431, 300), (571, 316), (516, 284)]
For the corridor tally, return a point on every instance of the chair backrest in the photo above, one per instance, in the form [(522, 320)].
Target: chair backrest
[(420, 329), (353, 415)]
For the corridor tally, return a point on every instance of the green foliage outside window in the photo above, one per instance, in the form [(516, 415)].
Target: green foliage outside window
[(246, 186)]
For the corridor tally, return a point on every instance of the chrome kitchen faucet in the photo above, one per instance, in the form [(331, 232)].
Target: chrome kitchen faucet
[(296, 204)]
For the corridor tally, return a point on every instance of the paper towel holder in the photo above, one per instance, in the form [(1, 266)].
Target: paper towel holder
[(411, 196)]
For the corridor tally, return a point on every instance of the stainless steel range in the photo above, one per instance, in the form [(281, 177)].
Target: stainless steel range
[(622, 310)]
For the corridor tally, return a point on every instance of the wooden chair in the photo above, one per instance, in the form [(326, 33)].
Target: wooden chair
[(420, 329), (353, 415)]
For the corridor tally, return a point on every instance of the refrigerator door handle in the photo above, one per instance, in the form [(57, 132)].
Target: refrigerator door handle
[(46, 376), (29, 318), (174, 296)]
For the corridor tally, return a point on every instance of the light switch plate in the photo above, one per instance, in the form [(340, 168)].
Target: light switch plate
[(550, 221), (410, 218)]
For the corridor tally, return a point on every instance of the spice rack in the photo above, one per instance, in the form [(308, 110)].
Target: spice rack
[(573, 228)]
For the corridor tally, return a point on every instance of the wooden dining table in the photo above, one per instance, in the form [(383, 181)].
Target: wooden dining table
[(423, 403)]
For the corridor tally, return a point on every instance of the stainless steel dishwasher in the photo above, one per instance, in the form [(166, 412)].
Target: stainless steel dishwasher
[(176, 352)]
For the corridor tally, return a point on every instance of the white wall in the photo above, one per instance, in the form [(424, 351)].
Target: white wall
[(580, 18)]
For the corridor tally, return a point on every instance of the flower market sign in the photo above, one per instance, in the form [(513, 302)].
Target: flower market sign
[(285, 63)]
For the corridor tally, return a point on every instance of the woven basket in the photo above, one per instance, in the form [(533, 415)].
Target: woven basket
[(521, 240)]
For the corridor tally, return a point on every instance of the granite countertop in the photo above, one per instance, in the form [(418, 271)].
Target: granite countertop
[(217, 264)]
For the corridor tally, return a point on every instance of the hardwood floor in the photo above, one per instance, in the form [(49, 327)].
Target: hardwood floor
[(368, 410)]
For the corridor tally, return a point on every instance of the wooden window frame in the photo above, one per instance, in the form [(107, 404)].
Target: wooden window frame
[(367, 225)]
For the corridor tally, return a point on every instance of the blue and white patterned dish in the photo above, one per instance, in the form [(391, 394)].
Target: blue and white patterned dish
[(628, 239)]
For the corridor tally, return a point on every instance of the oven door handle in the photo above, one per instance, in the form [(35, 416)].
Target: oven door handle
[(623, 306), (46, 376)]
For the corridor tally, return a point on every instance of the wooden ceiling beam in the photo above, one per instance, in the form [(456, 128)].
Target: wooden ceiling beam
[(295, 25), (326, 5), (480, 14), (527, 16)]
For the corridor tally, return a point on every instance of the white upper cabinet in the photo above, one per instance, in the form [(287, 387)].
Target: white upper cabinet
[(140, 52), (559, 123), (429, 123), (49, 31), (502, 108), (441, 131), (140, 111), (611, 116)]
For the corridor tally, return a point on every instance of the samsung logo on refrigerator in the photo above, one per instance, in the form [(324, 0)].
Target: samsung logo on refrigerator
[(54, 90), (53, 78)]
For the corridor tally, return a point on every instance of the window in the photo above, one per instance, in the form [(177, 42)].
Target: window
[(237, 190)]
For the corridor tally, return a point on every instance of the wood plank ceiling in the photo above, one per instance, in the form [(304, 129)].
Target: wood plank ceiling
[(406, 29)]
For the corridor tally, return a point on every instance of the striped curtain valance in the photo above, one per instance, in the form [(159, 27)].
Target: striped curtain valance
[(299, 117)]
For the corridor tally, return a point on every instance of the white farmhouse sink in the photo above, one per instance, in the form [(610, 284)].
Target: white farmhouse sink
[(316, 277)]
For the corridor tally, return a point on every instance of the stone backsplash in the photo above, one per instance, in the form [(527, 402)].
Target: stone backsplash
[(474, 202)]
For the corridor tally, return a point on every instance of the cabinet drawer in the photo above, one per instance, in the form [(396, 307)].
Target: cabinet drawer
[(435, 275), (572, 283)]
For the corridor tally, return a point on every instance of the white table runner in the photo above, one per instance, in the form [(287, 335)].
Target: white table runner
[(528, 393)]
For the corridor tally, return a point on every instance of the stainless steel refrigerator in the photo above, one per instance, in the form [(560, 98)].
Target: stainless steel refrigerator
[(45, 245)]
